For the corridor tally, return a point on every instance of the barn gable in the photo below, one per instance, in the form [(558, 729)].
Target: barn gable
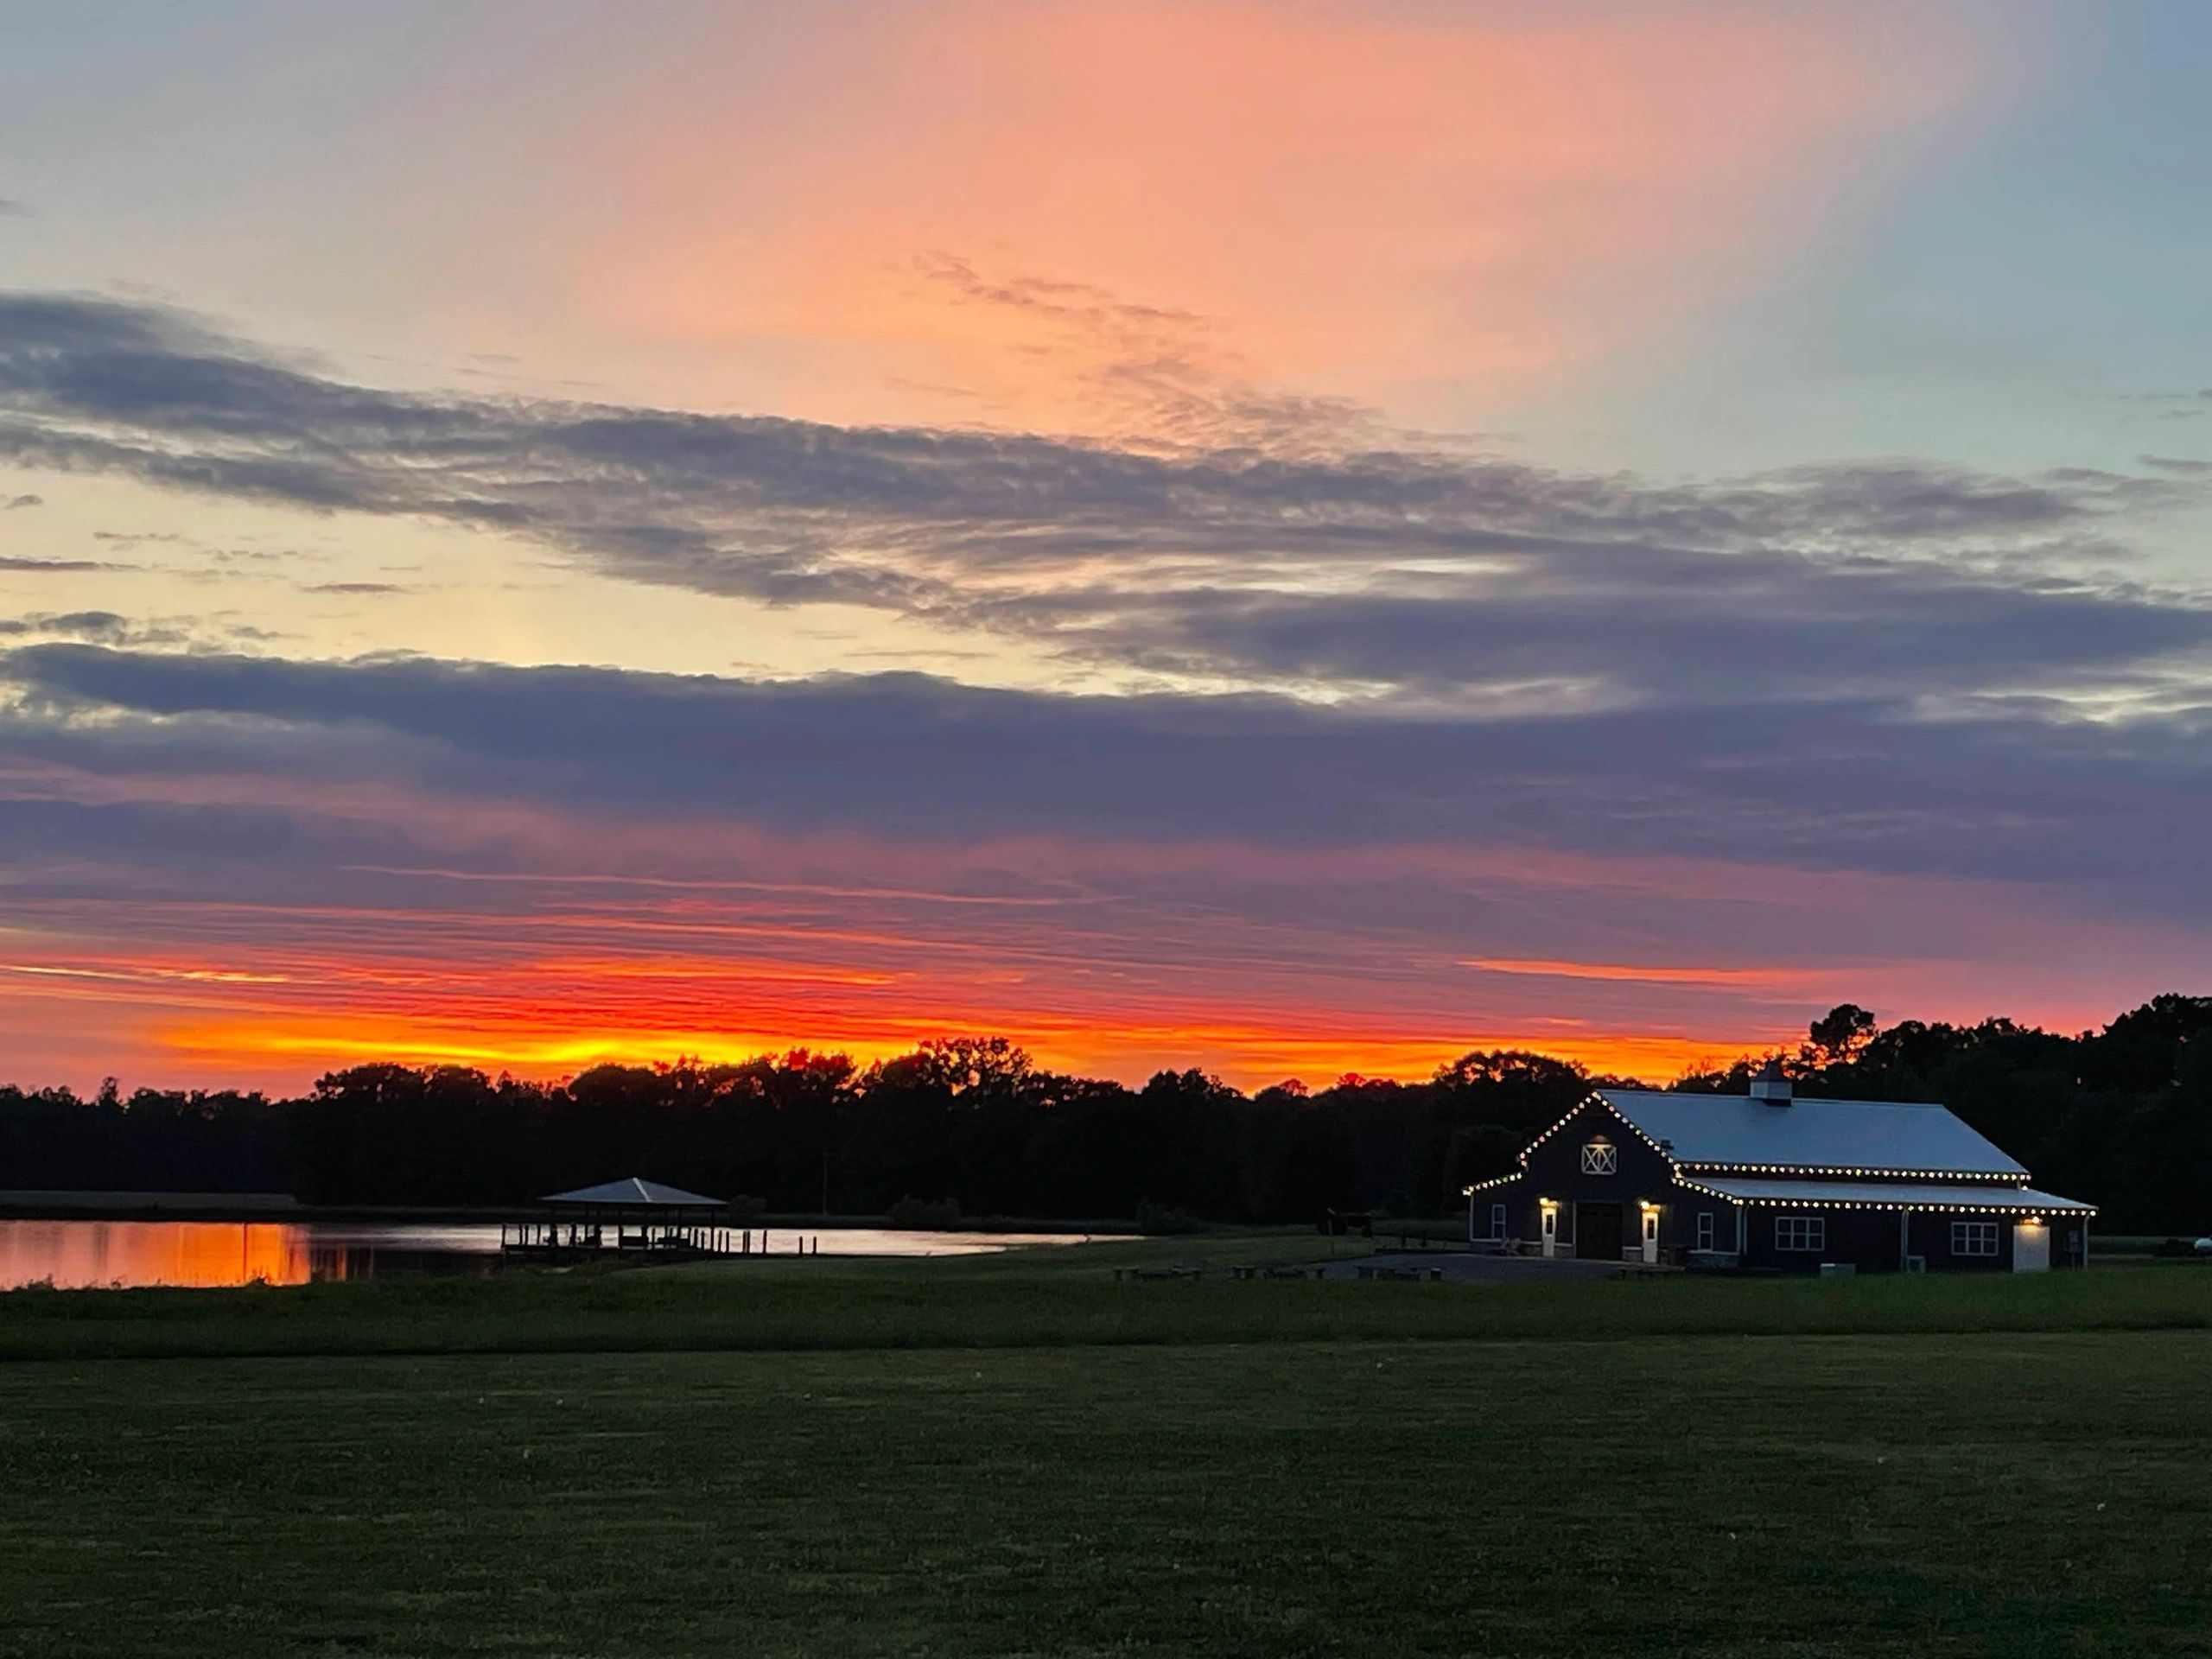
[(1583, 1186)]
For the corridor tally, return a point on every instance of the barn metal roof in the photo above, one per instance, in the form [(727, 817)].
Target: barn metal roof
[(1892, 1195), (634, 1191), (1812, 1136)]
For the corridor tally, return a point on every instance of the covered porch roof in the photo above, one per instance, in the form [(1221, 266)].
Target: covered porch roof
[(1889, 1195)]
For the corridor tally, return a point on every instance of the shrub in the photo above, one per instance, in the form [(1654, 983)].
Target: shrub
[(911, 1211), (1154, 1219)]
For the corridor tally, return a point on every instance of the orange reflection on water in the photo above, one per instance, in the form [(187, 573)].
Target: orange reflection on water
[(74, 1255)]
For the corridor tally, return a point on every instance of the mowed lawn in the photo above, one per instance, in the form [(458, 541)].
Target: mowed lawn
[(1053, 1297), (1990, 1493)]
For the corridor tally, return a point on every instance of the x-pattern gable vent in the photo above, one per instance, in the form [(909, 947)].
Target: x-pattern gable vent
[(1600, 1158)]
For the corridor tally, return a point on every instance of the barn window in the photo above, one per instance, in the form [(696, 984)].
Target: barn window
[(1497, 1221), (1974, 1238), (1801, 1233), (1704, 1229), (1601, 1159)]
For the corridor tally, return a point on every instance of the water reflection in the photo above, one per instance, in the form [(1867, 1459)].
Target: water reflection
[(76, 1255), (73, 1254)]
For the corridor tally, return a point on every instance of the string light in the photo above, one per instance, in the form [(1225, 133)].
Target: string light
[(1704, 1168), (1798, 1201)]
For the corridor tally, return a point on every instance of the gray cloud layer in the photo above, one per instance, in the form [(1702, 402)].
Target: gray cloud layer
[(1860, 785), (1401, 572)]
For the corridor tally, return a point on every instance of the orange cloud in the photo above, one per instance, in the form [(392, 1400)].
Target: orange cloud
[(1641, 976), (1128, 217), (1249, 1055)]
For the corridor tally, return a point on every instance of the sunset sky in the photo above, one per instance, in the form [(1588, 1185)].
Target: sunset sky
[(1285, 537)]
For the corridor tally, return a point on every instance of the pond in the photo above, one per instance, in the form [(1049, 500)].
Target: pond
[(77, 1253)]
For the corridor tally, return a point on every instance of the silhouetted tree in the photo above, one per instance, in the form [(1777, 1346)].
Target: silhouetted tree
[(1839, 1034), (2122, 1117)]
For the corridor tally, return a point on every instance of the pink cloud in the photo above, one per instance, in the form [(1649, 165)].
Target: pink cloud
[(1099, 216)]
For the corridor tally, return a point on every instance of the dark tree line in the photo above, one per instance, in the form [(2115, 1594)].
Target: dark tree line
[(2122, 1117)]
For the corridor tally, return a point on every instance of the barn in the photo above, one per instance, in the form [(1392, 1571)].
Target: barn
[(1768, 1182)]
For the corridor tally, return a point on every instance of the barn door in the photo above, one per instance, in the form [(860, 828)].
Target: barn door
[(1597, 1232), (2031, 1247)]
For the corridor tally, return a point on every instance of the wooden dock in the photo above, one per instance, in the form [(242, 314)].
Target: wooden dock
[(565, 1244)]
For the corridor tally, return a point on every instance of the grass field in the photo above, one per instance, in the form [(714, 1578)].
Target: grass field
[(1019, 1455), (1048, 1297)]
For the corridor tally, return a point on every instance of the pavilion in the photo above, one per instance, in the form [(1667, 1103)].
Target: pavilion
[(644, 1215)]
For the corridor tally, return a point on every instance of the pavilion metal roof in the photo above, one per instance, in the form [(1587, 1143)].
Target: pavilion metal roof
[(1812, 1136), (636, 1192), (1890, 1195)]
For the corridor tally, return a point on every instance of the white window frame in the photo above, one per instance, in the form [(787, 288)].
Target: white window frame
[(1800, 1235), (1600, 1158), (1707, 1229), (1497, 1221), (1975, 1239)]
